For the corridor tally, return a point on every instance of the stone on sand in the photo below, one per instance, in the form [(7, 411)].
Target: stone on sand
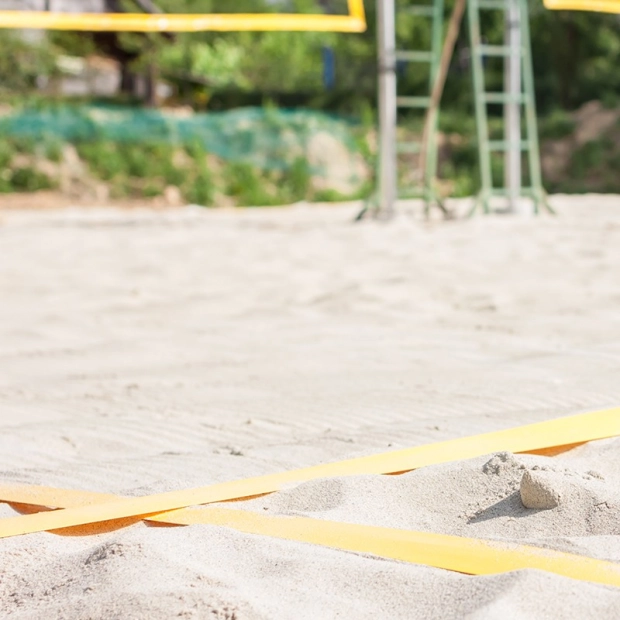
[(538, 490)]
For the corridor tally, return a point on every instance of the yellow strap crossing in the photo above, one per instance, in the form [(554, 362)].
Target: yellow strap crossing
[(455, 553), (533, 437)]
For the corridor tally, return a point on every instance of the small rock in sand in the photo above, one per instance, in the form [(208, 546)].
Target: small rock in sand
[(502, 463), (539, 491)]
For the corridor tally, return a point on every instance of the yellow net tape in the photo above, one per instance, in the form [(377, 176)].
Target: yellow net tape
[(455, 553), (534, 437), (355, 21), (597, 6)]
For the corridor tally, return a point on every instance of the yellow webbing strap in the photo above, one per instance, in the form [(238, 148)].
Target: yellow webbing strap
[(170, 22), (464, 555), (533, 437), (596, 6)]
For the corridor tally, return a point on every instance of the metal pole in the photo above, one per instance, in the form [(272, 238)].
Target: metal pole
[(512, 111), (386, 26), (484, 148), (530, 114)]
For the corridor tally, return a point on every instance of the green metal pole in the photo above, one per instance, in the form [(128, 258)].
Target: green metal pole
[(530, 114), (480, 103), (512, 109), (432, 155)]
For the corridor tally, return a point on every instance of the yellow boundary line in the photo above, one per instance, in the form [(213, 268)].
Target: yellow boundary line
[(596, 6), (533, 437), (139, 22), (455, 553)]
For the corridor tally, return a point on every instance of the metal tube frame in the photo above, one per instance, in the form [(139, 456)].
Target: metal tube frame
[(388, 180), (512, 109)]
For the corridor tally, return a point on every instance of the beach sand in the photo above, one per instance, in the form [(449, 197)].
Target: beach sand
[(145, 351)]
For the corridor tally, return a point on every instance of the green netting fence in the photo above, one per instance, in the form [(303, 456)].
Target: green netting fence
[(267, 138)]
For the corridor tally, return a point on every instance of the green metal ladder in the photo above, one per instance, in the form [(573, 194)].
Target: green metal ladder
[(526, 100), (432, 11)]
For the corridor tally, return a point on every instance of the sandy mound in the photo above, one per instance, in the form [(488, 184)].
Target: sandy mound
[(480, 498)]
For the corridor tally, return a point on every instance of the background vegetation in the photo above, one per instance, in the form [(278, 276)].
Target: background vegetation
[(576, 56)]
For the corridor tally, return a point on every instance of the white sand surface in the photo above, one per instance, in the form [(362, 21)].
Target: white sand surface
[(144, 351)]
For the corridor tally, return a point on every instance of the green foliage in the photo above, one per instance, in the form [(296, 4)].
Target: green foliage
[(559, 124), (590, 157), (7, 151), (458, 122), (72, 43), (200, 189), (332, 195), (248, 186), (24, 145), (147, 169), (297, 180), (21, 178), (464, 185), (253, 187), (576, 55), (112, 160), (21, 62), (328, 195), (53, 149), (198, 186), (105, 159), (151, 189), (29, 179), (459, 164), (593, 167), (285, 61), (267, 62), (219, 64)]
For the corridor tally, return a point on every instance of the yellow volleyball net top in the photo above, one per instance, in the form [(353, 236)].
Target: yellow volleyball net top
[(596, 6), (353, 21)]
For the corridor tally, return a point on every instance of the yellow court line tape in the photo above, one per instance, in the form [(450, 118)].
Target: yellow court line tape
[(595, 6), (561, 432), (455, 553), (138, 22)]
